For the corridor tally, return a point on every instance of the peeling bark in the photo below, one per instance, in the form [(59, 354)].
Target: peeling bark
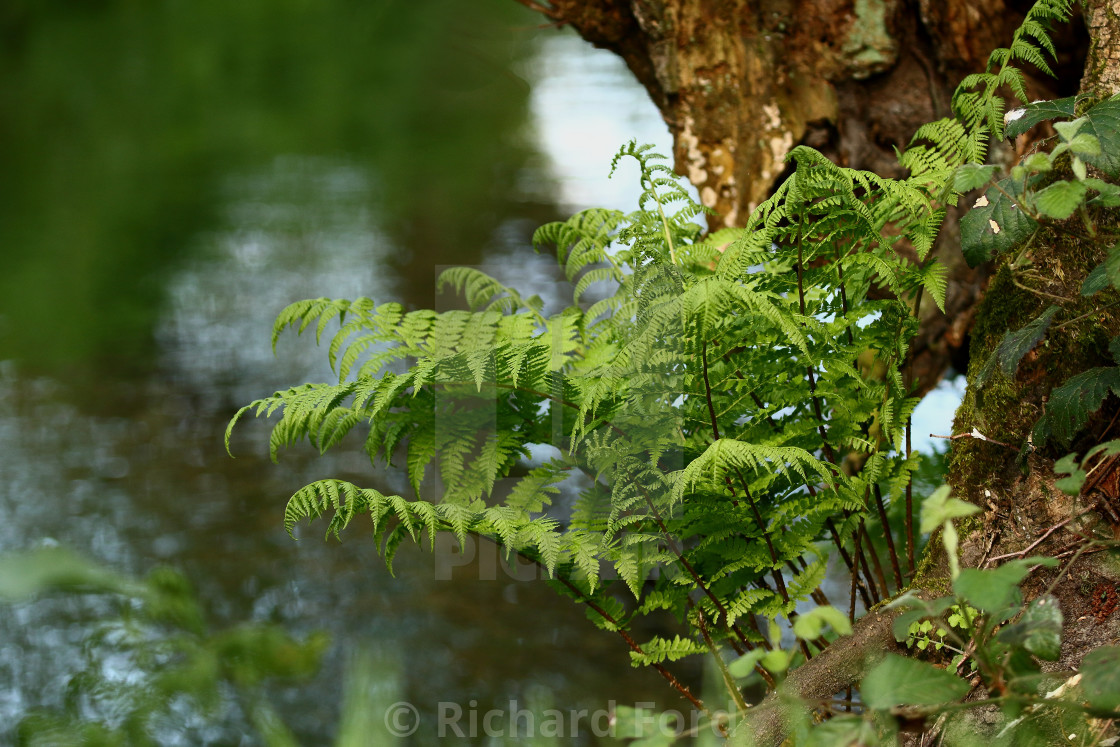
[(741, 82)]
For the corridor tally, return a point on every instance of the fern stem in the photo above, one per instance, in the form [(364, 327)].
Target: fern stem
[(728, 681), (875, 562), (664, 222), (887, 535), (817, 410), (779, 582), (708, 391), (672, 680), (855, 584), (688, 567)]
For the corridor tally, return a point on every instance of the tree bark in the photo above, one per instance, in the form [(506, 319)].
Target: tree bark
[(740, 83)]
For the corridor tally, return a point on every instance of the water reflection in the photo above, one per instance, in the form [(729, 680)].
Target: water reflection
[(193, 235)]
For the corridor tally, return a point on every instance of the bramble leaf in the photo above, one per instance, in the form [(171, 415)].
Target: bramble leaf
[(1100, 677), (997, 226), (1025, 117), (901, 681), (1072, 403)]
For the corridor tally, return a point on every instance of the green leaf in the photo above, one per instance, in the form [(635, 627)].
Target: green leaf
[(901, 681), (972, 176), (1015, 345), (1068, 130), (1070, 466), (808, 627), (1095, 281), (1085, 145), (49, 569), (1100, 677), (1060, 199), (996, 224), (1022, 119), (939, 508), (1103, 122), (1040, 629), (910, 618), (996, 589), (743, 667), (843, 731), (1109, 194), (1072, 403)]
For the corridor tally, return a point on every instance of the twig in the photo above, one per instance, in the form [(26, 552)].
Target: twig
[(1038, 541), (974, 433)]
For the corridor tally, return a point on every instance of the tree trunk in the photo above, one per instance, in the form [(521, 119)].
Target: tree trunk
[(741, 82), (854, 79)]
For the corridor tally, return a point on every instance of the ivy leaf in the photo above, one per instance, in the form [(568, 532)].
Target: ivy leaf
[(1072, 403), (1015, 345), (1103, 122), (901, 681), (1100, 677), (808, 627), (1114, 348), (939, 508), (997, 226), (1060, 199), (1022, 119), (1040, 630)]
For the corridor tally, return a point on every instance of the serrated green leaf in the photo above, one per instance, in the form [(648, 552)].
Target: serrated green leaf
[(810, 625), (1100, 677), (901, 681), (939, 508), (1014, 345), (997, 226), (912, 617), (1108, 193), (998, 588), (1103, 122), (1022, 119), (1040, 629), (1085, 145), (1072, 403), (1068, 130), (1095, 281), (972, 176), (743, 667), (1060, 199)]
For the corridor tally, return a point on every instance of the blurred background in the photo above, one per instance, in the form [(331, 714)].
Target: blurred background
[(173, 174)]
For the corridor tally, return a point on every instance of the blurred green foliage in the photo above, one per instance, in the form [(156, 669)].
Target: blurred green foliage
[(122, 119), (151, 655)]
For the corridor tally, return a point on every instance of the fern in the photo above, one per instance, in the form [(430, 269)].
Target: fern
[(727, 407)]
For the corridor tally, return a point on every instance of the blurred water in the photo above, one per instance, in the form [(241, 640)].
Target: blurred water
[(124, 461)]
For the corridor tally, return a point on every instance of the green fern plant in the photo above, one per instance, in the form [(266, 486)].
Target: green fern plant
[(703, 408)]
